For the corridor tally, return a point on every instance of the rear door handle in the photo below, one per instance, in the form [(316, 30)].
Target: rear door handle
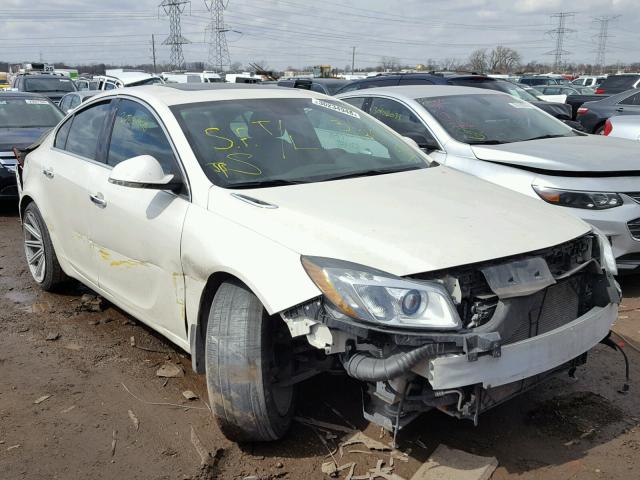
[(98, 199), (48, 172), (620, 109)]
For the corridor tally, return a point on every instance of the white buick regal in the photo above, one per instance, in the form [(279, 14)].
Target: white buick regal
[(278, 233)]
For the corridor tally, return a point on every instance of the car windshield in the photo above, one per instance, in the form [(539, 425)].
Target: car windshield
[(492, 119), (265, 142), (48, 84), (28, 112)]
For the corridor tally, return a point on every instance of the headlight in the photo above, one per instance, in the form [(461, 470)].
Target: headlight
[(607, 258), (576, 199), (374, 296)]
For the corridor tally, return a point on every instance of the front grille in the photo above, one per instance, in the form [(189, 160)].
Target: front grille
[(634, 195), (634, 228), (557, 305)]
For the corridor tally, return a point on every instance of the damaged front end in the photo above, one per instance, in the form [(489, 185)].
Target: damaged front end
[(464, 339)]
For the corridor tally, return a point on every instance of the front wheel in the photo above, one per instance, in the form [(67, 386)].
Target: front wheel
[(248, 363), (41, 257)]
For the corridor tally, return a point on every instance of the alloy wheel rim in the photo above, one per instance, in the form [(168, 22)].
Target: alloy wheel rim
[(34, 247)]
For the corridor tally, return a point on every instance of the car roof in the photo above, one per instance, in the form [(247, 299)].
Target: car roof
[(16, 94), (421, 91), (178, 94), (84, 93)]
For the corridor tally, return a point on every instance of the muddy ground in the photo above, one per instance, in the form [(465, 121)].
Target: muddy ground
[(97, 381)]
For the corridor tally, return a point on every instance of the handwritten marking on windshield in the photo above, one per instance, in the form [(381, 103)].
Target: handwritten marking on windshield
[(210, 132), (235, 165)]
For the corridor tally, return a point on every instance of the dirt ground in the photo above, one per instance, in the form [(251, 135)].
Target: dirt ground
[(97, 384)]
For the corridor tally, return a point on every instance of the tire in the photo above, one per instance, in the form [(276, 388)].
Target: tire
[(41, 257), (247, 351)]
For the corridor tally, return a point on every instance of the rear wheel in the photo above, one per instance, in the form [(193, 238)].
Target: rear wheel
[(248, 363), (41, 257)]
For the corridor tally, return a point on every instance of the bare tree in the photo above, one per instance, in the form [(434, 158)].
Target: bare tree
[(478, 60), (450, 63), (389, 64), (503, 59)]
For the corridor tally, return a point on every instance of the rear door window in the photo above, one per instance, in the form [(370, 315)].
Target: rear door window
[(86, 129)]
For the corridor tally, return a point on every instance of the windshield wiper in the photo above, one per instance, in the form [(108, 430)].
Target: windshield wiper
[(489, 142), (266, 183), (542, 137), (371, 173)]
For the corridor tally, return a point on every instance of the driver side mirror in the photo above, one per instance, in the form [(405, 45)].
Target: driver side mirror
[(422, 141), (143, 171)]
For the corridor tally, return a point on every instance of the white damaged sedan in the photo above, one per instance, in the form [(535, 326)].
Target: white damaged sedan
[(277, 233)]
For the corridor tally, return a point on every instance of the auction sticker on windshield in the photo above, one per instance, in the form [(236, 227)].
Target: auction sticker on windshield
[(336, 108), (36, 102)]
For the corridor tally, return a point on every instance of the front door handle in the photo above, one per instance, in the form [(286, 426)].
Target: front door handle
[(98, 199), (48, 172), (620, 109)]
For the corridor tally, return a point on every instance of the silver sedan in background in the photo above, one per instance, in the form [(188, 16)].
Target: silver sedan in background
[(513, 144), (623, 126)]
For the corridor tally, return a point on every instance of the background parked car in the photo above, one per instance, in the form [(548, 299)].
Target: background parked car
[(119, 78), (506, 141), (328, 86), (625, 126), (619, 83), (24, 117), (537, 80), (588, 81), (52, 86), (592, 115), (558, 110), (83, 84), (559, 93), (72, 100)]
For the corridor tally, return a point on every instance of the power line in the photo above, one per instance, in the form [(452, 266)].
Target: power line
[(559, 33), (174, 9), (219, 57)]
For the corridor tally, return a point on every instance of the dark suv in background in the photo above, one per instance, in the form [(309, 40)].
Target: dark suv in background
[(51, 86), (559, 110), (619, 83)]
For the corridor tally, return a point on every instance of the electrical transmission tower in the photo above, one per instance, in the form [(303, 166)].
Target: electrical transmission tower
[(174, 9), (602, 40), (218, 49), (559, 33)]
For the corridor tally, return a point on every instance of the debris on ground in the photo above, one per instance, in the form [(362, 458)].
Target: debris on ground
[(170, 370), (53, 336), (68, 409), (114, 441), (91, 303), (361, 438), (449, 464), (134, 420), (132, 341), (323, 425), (573, 415), (189, 395), (42, 399), (13, 447), (333, 470), (208, 461)]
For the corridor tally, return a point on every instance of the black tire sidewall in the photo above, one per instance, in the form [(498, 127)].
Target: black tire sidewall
[(237, 353)]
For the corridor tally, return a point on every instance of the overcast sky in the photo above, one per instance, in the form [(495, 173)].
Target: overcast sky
[(306, 32)]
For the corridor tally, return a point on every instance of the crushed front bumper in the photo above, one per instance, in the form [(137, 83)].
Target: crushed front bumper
[(522, 359)]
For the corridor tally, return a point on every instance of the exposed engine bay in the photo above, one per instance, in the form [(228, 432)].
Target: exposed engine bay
[(511, 310)]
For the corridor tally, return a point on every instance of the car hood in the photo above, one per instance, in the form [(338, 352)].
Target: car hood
[(588, 153), (20, 137), (402, 223)]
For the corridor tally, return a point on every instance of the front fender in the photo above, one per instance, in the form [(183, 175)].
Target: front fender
[(212, 244)]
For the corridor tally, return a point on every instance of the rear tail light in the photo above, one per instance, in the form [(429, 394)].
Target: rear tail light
[(599, 91), (582, 110), (608, 127)]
